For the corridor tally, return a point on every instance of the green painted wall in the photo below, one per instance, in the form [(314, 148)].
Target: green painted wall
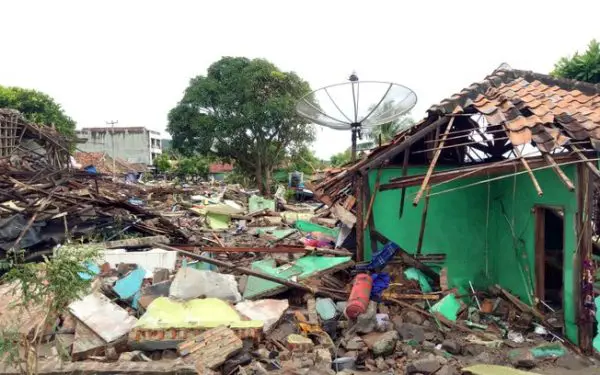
[(455, 224), (469, 225), (512, 259)]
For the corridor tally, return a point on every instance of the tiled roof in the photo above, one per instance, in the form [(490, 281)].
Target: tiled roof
[(532, 106), (220, 168), (528, 106), (104, 163)]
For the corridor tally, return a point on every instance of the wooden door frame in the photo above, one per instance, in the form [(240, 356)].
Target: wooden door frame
[(540, 248)]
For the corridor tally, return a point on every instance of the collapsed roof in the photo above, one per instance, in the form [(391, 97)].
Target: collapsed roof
[(25, 146), (511, 114)]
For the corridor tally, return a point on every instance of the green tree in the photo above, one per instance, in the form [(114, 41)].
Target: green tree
[(50, 286), (37, 107), (582, 67), (304, 160), (388, 131), (163, 162), (242, 110), (195, 166), (341, 158)]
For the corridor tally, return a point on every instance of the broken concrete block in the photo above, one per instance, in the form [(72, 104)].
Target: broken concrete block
[(168, 322), (86, 343), (355, 343), (160, 275), (522, 358), (451, 347), (386, 344), (190, 283), (447, 370), (367, 322), (102, 316), (299, 343), (148, 260), (323, 358), (267, 310), (211, 348), (427, 366), (413, 317), (409, 331)]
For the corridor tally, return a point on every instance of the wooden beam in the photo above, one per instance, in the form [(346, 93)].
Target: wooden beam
[(371, 221), (536, 184), (500, 167), (423, 221), (568, 183), (404, 173), (433, 163), (410, 260), (372, 198), (588, 163), (394, 150), (247, 271), (360, 203)]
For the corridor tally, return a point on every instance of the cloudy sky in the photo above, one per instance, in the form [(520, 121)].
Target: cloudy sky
[(131, 60)]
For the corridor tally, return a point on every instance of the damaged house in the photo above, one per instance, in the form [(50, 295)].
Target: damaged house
[(496, 186)]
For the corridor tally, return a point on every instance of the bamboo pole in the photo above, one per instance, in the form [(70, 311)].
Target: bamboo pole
[(536, 184), (568, 183), (433, 163), (404, 173), (587, 161), (372, 198), (423, 221)]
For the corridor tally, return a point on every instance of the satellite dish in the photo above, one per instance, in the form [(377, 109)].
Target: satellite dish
[(356, 105)]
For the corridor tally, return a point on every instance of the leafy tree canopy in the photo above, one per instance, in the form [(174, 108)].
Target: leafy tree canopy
[(163, 162), (304, 160), (36, 107), (341, 158), (242, 110), (196, 166), (582, 67), (388, 131)]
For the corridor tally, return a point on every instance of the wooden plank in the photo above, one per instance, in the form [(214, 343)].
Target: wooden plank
[(534, 180), (438, 152), (135, 242), (588, 163), (360, 199), (367, 189), (404, 173), (394, 150), (520, 304), (372, 198), (423, 222), (559, 172), (498, 168), (410, 260)]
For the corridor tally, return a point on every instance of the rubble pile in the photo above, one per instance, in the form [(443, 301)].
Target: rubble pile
[(211, 278)]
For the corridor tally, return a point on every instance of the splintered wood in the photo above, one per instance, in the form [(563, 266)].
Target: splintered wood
[(210, 349)]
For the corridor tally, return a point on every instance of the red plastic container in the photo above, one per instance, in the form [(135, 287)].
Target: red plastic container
[(359, 296)]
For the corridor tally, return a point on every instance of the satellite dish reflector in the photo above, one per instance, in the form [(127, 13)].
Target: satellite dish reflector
[(357, 105)]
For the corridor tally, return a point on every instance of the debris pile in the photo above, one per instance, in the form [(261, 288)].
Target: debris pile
[(210, 278)]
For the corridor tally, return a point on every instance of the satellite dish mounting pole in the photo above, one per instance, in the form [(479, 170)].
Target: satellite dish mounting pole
[(355, 126), (355, 134)]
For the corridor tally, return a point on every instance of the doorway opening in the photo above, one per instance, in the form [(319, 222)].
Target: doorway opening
[(549, 255)]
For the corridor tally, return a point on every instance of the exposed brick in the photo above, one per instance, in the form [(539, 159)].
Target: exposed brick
[(210, 349)]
